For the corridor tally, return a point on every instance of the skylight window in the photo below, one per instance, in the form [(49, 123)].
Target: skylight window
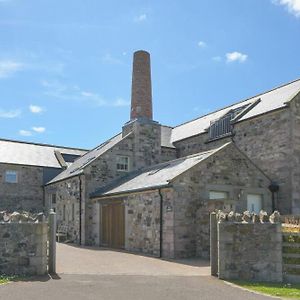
[(157, 170)]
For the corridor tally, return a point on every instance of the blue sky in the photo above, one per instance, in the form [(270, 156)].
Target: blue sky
[(65, 66)]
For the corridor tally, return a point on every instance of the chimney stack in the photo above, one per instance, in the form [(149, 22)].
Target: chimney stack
[(141, 92)]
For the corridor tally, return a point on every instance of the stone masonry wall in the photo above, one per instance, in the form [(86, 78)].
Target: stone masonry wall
[(235, 175), (146, 143), (98, 174), (142, 226), (23, 248), (250, 251), (295, 159), (26, 194), (267, 141), (168, 154), (67, 198), (143, 147), (142, 222)]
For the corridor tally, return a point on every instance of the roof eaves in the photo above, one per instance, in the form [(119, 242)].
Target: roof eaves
[(41, 144), (62, 179), (126, 192), (81, 169)]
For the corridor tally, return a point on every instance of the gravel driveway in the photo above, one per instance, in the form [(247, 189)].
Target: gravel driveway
[(91, 273)]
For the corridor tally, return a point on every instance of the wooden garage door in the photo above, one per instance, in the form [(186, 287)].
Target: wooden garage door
[(112, 225)]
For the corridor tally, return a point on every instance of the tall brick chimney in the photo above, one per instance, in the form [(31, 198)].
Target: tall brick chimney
[(141, 91)]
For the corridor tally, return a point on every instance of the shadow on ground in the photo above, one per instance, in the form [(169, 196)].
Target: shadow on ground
[(194, 262)]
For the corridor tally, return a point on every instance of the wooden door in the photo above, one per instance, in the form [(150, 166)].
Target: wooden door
[(113, 225)]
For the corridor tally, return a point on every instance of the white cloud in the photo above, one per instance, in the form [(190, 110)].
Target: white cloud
[(9, 67), (25, 132), (121, 102), (73, 93), (109, 59), (236, 56), (202, 44), (10, 114), (293, 6), (35, 109), (39, 129), (140, 18)]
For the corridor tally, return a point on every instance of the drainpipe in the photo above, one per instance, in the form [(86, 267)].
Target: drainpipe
[(274, 188), (80, 205), (161, 223)]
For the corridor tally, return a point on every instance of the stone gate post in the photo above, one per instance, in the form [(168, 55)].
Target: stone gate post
[(213, 244), (52, 242)]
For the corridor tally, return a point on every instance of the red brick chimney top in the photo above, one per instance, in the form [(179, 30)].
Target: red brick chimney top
[(141, 91)]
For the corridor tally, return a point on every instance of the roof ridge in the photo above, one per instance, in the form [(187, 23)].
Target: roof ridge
[(104, 143), (166, 126), (183, 158), (268, 91), (41, 144)]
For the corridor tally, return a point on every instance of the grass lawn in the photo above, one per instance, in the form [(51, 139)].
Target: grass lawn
[(284, 290), (4, 279)]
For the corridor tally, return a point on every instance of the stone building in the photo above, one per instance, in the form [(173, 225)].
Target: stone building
[(164, 210), (25, 168), (262, 131)]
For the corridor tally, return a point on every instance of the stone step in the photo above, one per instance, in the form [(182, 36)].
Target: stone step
[(294, 245), (291, 278), (291, 233), (292, 255), (291, 266)]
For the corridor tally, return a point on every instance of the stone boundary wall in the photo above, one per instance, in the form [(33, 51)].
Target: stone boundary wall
[(250, 247), (23, 247)]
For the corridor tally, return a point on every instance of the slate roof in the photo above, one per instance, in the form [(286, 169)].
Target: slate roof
[(33, 154), (78, 166), (269, 101), (155, 176)]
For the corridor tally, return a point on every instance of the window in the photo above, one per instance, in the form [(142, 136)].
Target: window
[(73, 212), (254, 203), (216, 195), (227, 203), (220, 127), (53, 198), (123, 163), (223, 126), (64, 213), (11, 176)]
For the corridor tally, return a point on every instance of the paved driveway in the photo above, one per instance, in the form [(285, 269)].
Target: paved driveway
[(87, 273)]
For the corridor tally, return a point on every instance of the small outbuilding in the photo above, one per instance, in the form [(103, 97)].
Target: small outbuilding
[(164, 210)]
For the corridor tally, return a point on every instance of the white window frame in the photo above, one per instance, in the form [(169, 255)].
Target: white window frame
[(10, 173), (124, 166), (259, 197), (218, 192)]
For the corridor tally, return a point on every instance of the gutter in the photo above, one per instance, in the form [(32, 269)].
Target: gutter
[(161, 224), (80, 206), (95, 197)]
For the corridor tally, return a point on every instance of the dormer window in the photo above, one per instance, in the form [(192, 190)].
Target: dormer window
[(123, 163), (223, 126)]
